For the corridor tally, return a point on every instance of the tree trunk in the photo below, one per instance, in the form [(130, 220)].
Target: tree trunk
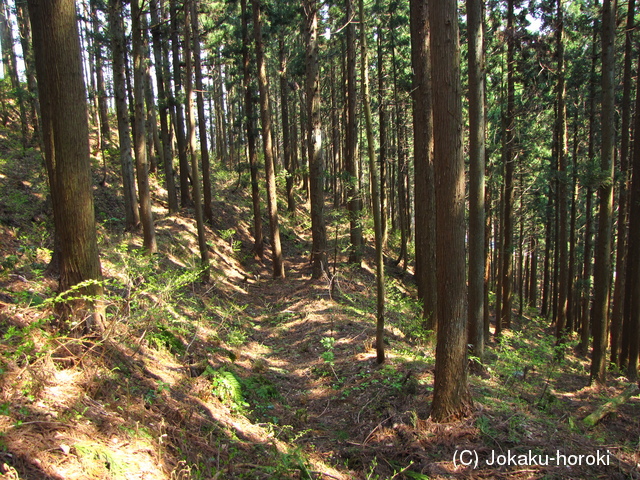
[(286, 128), (316, 161), (202, 120), (509, 168), (11, 69), (561, 135), (183, 161), (258, 246), (267, 144), (602, 267), (132, 215), (571, 297), (451, 398), (382, 121), (27, 52), (585, 323), (351, 160), (621, 248), (163, 106), (103, 108), (633, 258), (476, 176), (63, 102), (375, 192), (140, 147), (191, 129)]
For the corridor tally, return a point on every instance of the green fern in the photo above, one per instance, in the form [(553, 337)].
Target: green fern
[(225, 385)]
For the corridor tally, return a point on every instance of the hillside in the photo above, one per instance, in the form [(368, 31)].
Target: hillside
[(249, 377)]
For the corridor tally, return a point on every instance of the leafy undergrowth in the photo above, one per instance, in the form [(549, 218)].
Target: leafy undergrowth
[(249, 377)]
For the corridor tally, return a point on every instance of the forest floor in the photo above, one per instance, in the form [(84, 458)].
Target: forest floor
[(251, 377)]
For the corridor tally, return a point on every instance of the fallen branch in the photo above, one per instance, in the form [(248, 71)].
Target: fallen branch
[(600, 412)]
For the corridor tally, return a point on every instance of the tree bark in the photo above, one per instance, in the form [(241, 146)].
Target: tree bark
[(163, 107), (316, 160), (103, 108), (602, 266), (476, 176), (140, 146), (509, 168), (258, 245), (351, 160), (451, 397), (63, 103), (202, 121), (9, 63), (132, 214), (267, 144), (561, 136), (27, 53), (617, 314), (191, 130), (183, 161), (633, 258), (286, 128), (375, 190)]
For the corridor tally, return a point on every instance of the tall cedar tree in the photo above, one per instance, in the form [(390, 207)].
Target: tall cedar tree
[(476, 176), (633, 258), (602, 266), (163, 106), (193, 147), (351, 159), (140, 146), (451, 397), (267, 144), (562, 153), (132, 214), (619, 334), (425, 244), (258, 245), (504, 319), (66, 133), (202, 121), (178, 117), (375, 188), (316, 160)]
